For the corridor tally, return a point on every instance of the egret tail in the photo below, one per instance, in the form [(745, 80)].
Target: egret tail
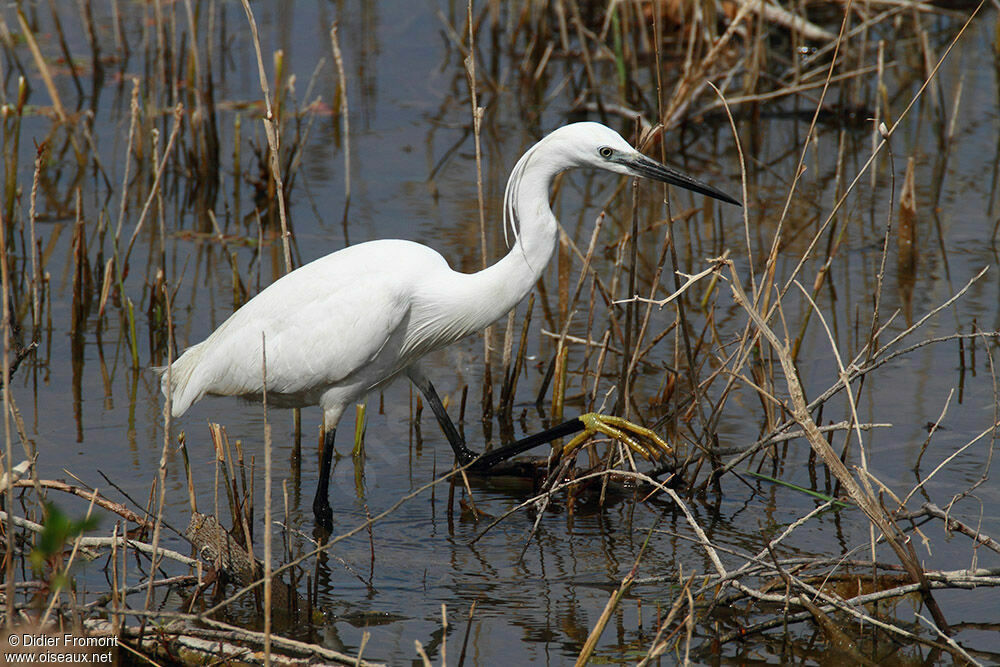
[(182, 391)]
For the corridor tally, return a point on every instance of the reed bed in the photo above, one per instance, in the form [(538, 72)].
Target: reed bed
[(136, 181)]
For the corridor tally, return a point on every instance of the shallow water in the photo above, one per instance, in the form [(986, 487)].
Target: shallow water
[(536, 599)]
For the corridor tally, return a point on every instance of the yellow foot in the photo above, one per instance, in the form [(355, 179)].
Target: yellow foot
[(622, 430)]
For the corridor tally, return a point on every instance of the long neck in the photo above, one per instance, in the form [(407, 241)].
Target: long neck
[(526, 207)]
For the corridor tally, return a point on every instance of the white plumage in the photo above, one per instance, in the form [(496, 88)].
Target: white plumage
[(351, 321)]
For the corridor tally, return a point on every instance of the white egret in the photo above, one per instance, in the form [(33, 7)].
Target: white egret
[(350, 322)]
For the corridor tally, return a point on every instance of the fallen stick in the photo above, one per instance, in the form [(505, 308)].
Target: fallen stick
[(89, 495)]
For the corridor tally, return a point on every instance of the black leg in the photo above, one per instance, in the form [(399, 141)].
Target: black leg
[(486, 461), (464, 455), (321, 503), (500, 454)]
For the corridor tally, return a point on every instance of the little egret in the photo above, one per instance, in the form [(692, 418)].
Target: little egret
[(348, 323)]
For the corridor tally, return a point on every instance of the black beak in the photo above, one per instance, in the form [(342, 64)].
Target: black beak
[(649, 168)]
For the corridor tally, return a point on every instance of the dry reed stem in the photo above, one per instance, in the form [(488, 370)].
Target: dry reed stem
[(36, 313), (338, 59), (953, 524), (850, 188), (92, 496), (477, 119), (765, 291), (158, 178), (43, 68), (133, 121), (877, 361), (800, 412), (234, 632), (595, 632), (422, 653), (685, 91), (8, 446), (845, 377), (267, 503), (764, 388), (689, 280), (162, 480), (989, 430), (271, 131), (659, 645), (468, 629), (787, 91), (936, 580)]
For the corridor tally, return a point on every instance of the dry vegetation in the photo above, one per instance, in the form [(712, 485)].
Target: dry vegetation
[(735, 342)]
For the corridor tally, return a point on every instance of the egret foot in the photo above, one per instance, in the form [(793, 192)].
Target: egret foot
[(590, 424), (618, 428)]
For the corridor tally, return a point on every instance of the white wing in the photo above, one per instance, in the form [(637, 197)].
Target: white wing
[(326, 323)]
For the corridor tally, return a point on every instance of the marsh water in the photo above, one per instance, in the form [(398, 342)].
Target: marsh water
[(413, 176)]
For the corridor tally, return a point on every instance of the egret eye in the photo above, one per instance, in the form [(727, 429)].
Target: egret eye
[(605, 152)]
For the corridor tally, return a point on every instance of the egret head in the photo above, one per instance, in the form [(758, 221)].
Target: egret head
[(595, 146)]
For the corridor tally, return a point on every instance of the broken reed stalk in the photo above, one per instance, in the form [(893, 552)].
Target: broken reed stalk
[(270, 130), (444, 634), (906, 244), (81, 273), (344, 111), (245, 502), (36, 283), (182, 445), (358, 449), (220, 441), (559, 387), (237, 169), (11, 144), (507, 350)]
